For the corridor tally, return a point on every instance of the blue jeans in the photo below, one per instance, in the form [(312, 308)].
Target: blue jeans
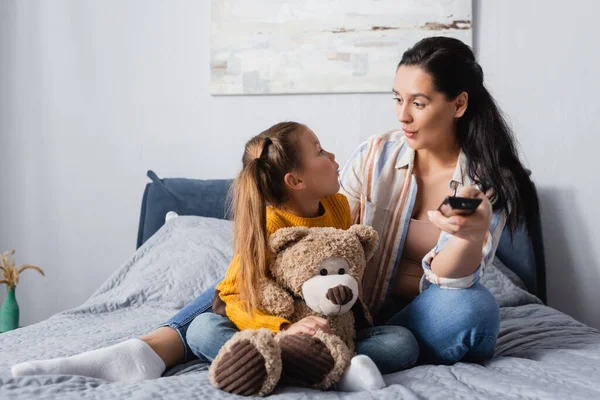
[(452, 324), (182, 320), (448, 324), (392, 348), (208, 333)]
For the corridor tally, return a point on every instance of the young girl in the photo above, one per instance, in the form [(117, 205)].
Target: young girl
[(287, 180)]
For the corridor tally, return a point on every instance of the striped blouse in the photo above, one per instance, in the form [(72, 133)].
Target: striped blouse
[(381, 190)]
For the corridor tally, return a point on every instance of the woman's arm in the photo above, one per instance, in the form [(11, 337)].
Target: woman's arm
[(459, 258), (467, 245)]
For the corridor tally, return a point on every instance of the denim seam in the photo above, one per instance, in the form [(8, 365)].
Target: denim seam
[(477, 337), (194, 315), (186, 353), (186, 321)]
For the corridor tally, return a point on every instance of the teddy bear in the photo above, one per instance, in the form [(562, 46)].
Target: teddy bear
[(314, 271)]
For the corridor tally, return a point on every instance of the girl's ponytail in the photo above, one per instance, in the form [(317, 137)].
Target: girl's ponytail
[(250, 232), (268, 157)]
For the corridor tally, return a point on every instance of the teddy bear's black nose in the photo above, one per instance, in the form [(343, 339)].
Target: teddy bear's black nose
[(339, 295)]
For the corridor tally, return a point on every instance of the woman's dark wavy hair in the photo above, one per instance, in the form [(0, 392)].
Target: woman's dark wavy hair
[(483, 133)]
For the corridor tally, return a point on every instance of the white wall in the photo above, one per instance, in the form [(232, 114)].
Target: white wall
[(541, 64), (94, 93)]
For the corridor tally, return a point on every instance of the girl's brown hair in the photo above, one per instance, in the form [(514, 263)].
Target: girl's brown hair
[(267, 158)]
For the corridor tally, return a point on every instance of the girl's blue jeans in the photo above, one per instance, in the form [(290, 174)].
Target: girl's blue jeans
[(182, 320), (441, 326)]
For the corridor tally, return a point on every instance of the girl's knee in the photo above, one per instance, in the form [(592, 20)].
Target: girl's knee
[(207, 333), (204, 328)]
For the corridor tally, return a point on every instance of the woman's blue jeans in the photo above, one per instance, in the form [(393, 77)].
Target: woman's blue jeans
[(452, 324)]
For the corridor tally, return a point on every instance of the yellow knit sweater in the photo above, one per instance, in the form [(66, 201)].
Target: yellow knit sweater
[(336, 215)]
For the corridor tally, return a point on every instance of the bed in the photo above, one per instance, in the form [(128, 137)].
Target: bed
[(541, 352)]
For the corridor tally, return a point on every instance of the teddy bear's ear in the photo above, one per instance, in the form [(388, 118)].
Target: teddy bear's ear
[(285, 237), (369, 238)]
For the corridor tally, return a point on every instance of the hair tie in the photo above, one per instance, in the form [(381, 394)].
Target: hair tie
[(265, 150)]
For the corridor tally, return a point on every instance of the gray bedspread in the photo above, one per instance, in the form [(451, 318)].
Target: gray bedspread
[(541, 353)]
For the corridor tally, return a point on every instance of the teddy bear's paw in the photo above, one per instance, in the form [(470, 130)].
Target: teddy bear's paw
[(249, 364), (306, 360)]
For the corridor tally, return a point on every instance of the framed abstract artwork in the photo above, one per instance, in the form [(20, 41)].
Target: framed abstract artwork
[(322, 46)]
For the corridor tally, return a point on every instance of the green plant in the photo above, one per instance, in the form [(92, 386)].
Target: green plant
[(10, 273)]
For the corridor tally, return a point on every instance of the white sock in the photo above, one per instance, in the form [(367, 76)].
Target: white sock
[(129, 361), (362, 374)]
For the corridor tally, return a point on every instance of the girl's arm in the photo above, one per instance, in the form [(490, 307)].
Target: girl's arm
[(234, 307)]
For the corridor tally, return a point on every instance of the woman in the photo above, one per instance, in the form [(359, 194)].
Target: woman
[(454, 141)]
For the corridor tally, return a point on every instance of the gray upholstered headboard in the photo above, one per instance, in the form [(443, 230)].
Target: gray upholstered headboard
[(207, 198)]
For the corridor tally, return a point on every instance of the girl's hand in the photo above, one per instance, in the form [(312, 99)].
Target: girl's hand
[(308, 325), (472, 227)]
